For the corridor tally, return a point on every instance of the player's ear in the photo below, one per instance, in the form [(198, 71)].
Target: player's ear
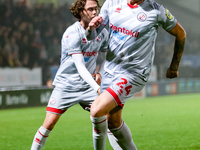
[(81, 13)]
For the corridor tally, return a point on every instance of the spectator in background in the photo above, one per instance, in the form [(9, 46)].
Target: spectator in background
[(48, 35), (1, 36), (54, 51), (3, 60), (25, 60), (5, 35), (1, 56), (43, 62), (11, 50)]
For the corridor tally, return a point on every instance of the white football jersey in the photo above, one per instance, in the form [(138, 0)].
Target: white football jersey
[(74, 41), (133, 32)]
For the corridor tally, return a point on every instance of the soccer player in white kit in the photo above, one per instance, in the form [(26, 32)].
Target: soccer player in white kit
[(74, 82), (133, 26)]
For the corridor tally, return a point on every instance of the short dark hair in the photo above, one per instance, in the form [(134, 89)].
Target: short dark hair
[(78, 7)]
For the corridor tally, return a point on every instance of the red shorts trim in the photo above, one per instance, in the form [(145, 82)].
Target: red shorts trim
[(115, 96), (54, 110)]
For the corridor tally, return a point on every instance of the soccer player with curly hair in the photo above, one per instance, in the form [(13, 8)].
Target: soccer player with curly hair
[(79, 75)]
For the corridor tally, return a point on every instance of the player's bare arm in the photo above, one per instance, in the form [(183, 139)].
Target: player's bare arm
[(94, 28), (180, 35)]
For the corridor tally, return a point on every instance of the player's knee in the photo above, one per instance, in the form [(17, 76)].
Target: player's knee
[(94, 112), (49, 125), (97, 111), (113, 124)]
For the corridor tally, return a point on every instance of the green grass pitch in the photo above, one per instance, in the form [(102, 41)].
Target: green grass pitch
[(157, 123)]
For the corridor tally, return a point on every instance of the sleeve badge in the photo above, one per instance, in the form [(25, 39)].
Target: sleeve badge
[(169, 15)]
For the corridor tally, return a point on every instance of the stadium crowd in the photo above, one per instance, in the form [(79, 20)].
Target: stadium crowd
[(30, 37)]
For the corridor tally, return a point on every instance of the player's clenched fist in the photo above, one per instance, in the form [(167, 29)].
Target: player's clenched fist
[(95, 22), (171, 74)]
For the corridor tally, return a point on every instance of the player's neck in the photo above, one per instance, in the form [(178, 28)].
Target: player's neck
[(134, 2), (84, 24)]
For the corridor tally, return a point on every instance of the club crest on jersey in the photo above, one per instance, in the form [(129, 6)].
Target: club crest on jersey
[(118, 10), (84, 40), (142, 17), (52, 101), (169, 15)]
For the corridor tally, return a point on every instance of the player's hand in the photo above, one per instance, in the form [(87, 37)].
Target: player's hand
[(97, 78), (171, 73), (95, 23)]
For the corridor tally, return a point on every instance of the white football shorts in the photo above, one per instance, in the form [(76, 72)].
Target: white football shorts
[(61, 99), (121, 86)]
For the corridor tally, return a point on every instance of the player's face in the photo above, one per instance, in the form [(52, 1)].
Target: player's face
[(90, 11)]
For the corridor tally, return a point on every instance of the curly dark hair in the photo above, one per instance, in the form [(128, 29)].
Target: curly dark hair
[(78, 7)]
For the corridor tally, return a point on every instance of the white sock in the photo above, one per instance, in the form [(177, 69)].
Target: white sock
[(113, 141), (40, 138), (100, 127), (123, 137)]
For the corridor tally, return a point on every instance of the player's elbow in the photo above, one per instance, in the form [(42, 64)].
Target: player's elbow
[(181, 33)]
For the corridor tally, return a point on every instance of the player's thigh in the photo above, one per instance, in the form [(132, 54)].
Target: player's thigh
[(102, 105)]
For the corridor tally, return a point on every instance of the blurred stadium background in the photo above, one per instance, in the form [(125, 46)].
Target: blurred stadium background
[(30, 34)]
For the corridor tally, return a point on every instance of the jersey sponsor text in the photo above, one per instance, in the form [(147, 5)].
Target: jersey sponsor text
[(124, 30)]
